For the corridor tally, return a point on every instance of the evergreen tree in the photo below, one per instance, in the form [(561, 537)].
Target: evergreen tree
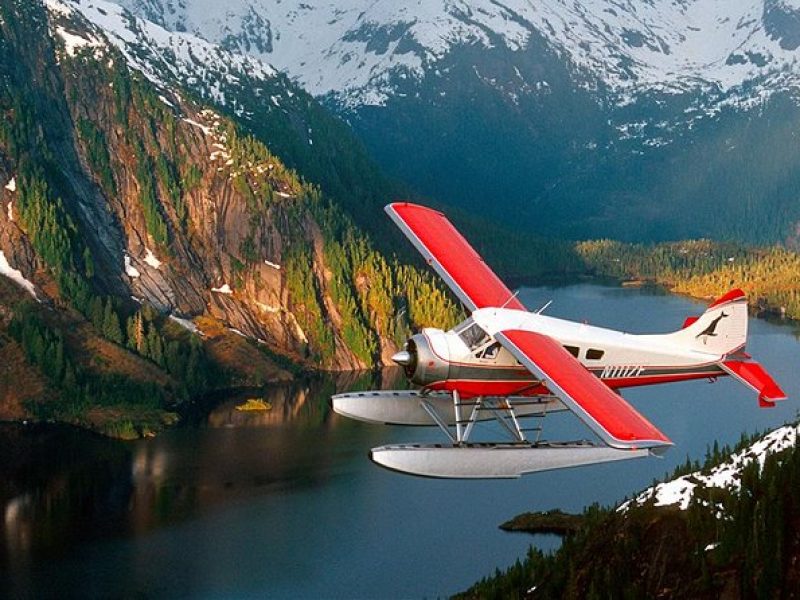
[(111, 327)]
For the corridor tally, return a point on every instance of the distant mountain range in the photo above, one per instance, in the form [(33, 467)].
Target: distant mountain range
[(638, 120)]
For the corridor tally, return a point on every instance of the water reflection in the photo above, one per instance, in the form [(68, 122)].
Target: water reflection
[(60, 486), (298, 402), (57, 485), (285, 503)]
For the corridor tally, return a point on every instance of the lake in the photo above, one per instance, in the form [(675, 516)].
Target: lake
[(286, 504)]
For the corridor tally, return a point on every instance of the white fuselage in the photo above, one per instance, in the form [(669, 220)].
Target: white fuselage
[(478, 366)]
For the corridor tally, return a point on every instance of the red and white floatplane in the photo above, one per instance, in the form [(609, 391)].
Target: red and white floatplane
[(512, 365)]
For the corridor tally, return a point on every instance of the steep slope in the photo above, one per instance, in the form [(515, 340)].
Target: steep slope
[(599, 118), (283, 115), (125, 192)]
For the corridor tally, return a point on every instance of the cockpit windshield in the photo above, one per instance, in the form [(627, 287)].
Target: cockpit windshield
[(471, 334)]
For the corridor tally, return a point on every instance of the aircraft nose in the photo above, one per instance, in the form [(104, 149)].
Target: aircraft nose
[(402, 358)]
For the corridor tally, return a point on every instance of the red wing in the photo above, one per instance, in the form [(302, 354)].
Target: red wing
[(446, 250), (605, 412)]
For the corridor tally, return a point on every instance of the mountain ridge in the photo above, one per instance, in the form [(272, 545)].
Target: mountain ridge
[(592, 117)]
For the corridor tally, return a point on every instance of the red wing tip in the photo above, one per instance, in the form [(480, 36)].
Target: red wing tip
[(732, 296), (640, 444), (394, 206)]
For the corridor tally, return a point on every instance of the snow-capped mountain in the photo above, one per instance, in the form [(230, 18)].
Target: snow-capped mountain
[(169, 58), (157, 168), (354, 50), (594, 116), (237, 83)]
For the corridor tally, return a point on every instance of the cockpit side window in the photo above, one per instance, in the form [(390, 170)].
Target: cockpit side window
[(489, 352), (472, 335)]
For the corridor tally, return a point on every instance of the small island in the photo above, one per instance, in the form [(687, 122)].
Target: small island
[(554, 522)]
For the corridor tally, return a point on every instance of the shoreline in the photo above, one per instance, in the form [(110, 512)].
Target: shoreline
[(127, 422)]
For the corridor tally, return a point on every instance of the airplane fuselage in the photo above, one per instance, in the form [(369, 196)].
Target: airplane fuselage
[(469, 361)]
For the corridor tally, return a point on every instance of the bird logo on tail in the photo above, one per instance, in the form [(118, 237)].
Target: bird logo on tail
[(711, 330)]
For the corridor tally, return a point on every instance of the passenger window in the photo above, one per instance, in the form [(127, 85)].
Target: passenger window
[(594, 354), (574, 350)]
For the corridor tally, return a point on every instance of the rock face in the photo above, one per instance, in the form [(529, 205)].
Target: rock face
[(174, 204)]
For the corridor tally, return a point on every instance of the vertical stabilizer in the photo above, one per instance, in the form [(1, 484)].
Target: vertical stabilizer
[(721, 330)]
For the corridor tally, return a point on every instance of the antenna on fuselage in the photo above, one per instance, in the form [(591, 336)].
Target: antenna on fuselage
[(541, 310), (510, 298)]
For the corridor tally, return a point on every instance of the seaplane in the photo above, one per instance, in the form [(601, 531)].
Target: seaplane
[(507, 364)]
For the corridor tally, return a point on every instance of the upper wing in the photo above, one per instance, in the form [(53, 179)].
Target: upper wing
[(452, 257), (613, 419)]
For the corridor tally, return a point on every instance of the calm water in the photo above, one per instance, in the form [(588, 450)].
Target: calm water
[(285, 504)]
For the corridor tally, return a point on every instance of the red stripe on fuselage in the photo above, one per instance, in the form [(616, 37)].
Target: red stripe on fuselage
[(469, 388)]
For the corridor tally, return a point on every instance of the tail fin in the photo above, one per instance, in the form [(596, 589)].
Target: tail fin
[(721, 330)]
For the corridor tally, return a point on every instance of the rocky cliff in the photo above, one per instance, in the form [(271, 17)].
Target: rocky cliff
[(124, 189)]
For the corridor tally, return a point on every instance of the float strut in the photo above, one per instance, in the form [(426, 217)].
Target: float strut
[(457, 410), (473, 417), (436, 418)]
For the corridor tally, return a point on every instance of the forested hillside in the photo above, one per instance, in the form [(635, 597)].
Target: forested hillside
[(127, 200), (704, 269), (739, 539)]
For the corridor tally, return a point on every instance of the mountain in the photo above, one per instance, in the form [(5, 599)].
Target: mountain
[(636, 120), (143, 178)]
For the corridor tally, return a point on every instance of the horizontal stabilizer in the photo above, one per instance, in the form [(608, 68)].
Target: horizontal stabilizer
[(755, 376), (689, 321)]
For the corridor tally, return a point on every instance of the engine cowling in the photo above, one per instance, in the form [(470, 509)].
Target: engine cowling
[(425, 357)]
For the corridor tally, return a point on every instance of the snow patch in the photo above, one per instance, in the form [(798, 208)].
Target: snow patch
[(267, 308), (151, 259), (205, 128), (272, 264), (11, 186), (223, 289), (186, 324), (130, 270), (727, 475), (165, 56), (73, 43), (58, 7), (16, 276), (10, 208)]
